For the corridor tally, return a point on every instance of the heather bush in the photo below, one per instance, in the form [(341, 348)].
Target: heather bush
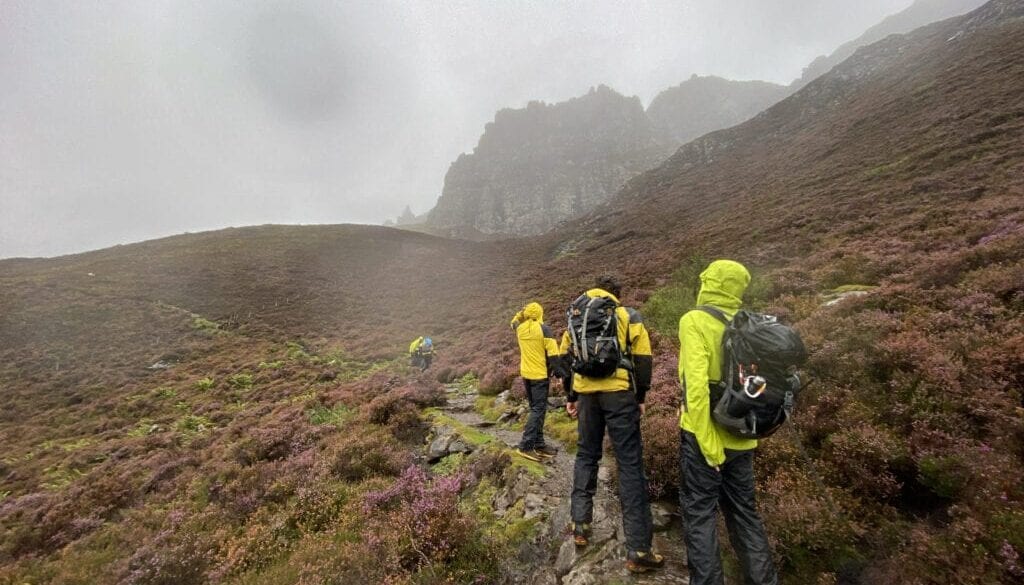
[(337, 559), (240, 491), (380, 410), (407, 425), (862, 459), (376, 452), (660, 430), (487, 464), (180, 553), (267, 443), (813, 527), (417, 525), (267, 536), (496, 381), (444, 374)]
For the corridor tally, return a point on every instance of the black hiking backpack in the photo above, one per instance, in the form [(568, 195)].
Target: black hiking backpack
[(759, 380), (594, 329)]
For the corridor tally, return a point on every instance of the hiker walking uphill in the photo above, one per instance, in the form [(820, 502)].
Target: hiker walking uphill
[(421, 352), (716, 465), (610, 353), (538, 360)]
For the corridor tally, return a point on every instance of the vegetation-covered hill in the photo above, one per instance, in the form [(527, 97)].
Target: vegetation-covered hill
[(272, 448), (217, 406), (918, 14)]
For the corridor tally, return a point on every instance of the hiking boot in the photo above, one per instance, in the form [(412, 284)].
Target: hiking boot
[(531, 454), (641, 562), (581, 534), (547, 451)]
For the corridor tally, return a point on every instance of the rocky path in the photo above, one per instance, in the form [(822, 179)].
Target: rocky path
[(554, 559)]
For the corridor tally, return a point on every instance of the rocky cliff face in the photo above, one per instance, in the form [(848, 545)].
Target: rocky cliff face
[(704, 104), (538, 166)]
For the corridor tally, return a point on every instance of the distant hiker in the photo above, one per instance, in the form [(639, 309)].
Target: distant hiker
[(716, 466), (538, 360), (421, 352), (610, 353)]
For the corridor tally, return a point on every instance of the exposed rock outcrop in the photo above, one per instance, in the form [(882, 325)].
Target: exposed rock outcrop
[(538, 166)]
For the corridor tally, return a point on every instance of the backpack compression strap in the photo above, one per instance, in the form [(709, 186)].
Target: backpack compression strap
[(714, 312), (720, 315)]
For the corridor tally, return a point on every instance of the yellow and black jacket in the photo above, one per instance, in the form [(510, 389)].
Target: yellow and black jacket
[(632, 335), (538, 352), (700, 358)]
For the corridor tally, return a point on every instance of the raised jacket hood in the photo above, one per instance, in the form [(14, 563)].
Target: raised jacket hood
[(722, 285), (534, 312)]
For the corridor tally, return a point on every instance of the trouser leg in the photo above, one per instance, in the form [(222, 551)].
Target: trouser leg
[(746, 531), (590, 430), (699, 500), (537, 397), (622, 416)]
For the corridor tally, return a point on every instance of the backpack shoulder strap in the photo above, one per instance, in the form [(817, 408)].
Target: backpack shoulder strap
[(714, 312)]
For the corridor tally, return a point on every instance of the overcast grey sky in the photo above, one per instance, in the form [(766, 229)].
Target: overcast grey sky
[(123, 121)]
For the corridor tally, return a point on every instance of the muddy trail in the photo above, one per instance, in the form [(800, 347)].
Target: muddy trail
[(552, 557)]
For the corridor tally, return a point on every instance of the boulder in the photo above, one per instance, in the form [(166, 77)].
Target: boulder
[(458, 445), (534, 506), (566, 558), (439, 448), (661, 514)]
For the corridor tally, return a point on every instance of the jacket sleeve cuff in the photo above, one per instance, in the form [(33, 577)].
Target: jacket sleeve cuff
[(642, 367)]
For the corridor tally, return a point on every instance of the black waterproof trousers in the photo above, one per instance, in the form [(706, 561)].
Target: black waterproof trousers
[(620, 414), (537, 397), (732, 488)]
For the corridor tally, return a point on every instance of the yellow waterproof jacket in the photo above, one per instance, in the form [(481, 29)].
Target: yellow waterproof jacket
[(700, 358), (415, 344), (538, 351), (631, 327)]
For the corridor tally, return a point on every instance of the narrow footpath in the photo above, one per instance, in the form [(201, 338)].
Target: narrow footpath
[(554, 559)]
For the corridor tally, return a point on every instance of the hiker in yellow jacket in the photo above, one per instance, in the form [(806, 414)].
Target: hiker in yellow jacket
[(613, 404), (716, 466), (538, 360), (421, 352)]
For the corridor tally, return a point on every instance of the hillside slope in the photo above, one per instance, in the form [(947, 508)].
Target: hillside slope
[(918, 14), (216, 406)]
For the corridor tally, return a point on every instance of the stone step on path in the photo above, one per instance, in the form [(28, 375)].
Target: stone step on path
[(555, 559)]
